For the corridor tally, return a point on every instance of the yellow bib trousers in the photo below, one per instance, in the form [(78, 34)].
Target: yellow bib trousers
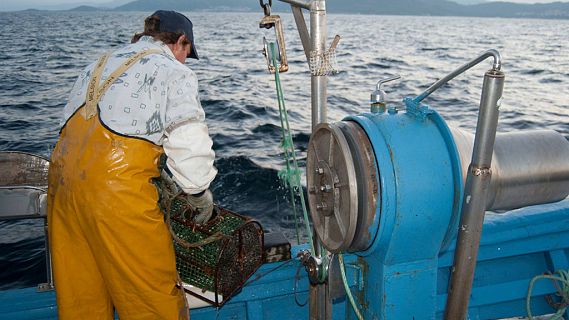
[(111, 247)]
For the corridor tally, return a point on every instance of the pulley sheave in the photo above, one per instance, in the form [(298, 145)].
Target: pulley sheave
[(332, 187)]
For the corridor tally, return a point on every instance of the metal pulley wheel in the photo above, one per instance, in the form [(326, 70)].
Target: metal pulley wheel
[(332, 187), (343, 186)]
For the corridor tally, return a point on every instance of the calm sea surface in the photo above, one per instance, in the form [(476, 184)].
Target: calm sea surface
[(42, 53)]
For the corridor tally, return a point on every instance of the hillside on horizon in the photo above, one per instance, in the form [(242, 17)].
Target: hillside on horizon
[(559, 10), (470, 8)]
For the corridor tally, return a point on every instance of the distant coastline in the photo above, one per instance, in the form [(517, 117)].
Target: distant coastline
[(553, 10)]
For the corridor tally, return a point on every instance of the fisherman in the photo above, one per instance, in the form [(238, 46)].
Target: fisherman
[(110, 245)]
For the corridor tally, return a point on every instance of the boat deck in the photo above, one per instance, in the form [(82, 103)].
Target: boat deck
[(27, 304), (262, 298)]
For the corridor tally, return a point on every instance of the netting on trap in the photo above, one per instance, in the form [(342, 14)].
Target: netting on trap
[(223, 265), (218, 256)]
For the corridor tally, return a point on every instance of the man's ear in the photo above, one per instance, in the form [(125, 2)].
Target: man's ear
[(181, 40)]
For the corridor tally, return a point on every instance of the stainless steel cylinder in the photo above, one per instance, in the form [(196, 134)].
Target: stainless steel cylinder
[(528, 167), (318, 33)]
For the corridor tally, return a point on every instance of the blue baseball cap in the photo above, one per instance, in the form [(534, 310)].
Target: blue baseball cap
[(172, 21)]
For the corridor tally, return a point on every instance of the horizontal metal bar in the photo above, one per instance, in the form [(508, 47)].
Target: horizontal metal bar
[(23, 216), (298, 3), (23, 187)]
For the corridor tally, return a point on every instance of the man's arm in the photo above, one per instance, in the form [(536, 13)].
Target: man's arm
[(190, 156), (187, 142)]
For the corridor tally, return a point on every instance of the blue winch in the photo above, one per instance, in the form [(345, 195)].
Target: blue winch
[(388, 186)]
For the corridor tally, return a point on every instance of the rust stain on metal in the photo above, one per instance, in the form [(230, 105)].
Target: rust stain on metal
[(360, 294)]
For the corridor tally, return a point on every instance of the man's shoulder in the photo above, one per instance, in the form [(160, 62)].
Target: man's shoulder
[(175, 69), (134, 48), (167, 62)]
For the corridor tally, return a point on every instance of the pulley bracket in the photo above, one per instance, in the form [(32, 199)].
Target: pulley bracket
[(269, 22)]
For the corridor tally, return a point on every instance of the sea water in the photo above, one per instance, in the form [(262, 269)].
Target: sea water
[(43, 52)]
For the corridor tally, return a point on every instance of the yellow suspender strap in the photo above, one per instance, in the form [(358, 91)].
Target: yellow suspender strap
[(96, 91), (91, 101)]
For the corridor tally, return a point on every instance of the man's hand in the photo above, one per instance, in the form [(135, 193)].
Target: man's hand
[(202, 206)]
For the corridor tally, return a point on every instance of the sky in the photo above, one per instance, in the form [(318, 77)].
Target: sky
[(11, 5)]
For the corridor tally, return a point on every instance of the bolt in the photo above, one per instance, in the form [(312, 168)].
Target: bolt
[(320, 171), (326, 188)]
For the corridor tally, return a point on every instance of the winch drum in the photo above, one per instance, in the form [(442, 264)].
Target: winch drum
[(528, 167)]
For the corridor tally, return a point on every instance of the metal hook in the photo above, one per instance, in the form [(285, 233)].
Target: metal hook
[(266, 7)]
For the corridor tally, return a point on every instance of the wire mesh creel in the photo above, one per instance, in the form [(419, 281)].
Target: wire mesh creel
[(231, 253), (217, 256)]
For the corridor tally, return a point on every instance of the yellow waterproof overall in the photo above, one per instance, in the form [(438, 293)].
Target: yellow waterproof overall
[(111, 247)]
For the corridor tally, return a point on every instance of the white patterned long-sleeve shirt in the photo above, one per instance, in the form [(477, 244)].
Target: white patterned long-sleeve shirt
[(156, 99)]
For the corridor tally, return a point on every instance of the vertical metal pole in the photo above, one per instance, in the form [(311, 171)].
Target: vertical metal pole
[(318, 30), (48, 286), (474, 202), (320, 304), (48, 257)]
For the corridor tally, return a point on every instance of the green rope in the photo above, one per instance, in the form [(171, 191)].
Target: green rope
[(347, 288), (562, 291), (291, 173)]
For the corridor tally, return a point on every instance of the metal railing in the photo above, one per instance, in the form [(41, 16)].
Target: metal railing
[(23, 195)]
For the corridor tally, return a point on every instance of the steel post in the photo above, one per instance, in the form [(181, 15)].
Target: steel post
[(48, 285), (320, 304), (48, 257), (318, 32), (474, 202)]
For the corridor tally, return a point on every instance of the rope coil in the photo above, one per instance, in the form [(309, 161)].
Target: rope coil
[(561, 282)]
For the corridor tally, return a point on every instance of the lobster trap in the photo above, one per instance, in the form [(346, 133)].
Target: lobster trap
[(216, 257)]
